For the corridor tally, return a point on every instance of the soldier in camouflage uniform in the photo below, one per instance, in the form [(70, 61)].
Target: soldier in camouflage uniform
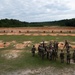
[(43, 44), (67, 45), (56, 48), (62, 56), (53, 53), (50, 54), (73, 56), (33, 50), (68, 56), (48, 51), (43, 52), (39, 50)]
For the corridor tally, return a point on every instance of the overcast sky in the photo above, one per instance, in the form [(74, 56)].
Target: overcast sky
[(37, 10)]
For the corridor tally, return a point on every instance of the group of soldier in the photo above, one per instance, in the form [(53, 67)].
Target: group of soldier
[(52, 53)]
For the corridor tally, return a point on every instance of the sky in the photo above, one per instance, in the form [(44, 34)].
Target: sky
[(37, 10)]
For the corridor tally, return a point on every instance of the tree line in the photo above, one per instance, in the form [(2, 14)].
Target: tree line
[(17, 23)]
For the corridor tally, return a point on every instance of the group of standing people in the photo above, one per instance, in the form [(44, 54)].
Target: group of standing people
[(52, 53)]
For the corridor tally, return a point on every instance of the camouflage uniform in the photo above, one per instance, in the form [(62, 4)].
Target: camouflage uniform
[(50, 55), (73, 56), (39, 50), (68, 57), (48, 51), (62, 56), (67, 45), (33, 50), (53, 55), (43, 52), (56, 48), (43, 44)]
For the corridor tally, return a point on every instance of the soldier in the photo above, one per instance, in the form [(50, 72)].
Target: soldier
[(54, 44), (68, 57), (50, 44), (43, 52), (56, 55), (33, 50), (73, 56), (50, 54), (53, 55), (57, 46), (43, 44), (67, 45), (62, 56), (39, 50)]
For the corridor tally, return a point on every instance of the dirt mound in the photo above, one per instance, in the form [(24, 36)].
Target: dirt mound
[(11, 54), (2, 45), (61, 45), (36, 31), (7, 44), (23, 45), (19, 46), (14, 42), (36, 45), (73, 46)]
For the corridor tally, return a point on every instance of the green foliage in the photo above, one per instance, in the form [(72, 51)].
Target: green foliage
[(17, 23)]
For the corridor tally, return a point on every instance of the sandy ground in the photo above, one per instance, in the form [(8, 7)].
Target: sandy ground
[(15, 44), (11, 54), (35, 31), (19, 47), (29, 43), (43, 71), (38, 34)]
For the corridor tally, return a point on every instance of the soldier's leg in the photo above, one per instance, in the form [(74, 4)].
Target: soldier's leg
[(69, 61), (47, 55), (32, 54), (50, 57), (74, 60), (53, 57), (62, 61), (42, 56)]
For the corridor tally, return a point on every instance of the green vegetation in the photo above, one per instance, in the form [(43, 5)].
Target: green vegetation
[(35, 39), (26, 60), (17, 23)]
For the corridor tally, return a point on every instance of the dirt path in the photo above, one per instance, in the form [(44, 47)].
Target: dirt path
[(43, 71)]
